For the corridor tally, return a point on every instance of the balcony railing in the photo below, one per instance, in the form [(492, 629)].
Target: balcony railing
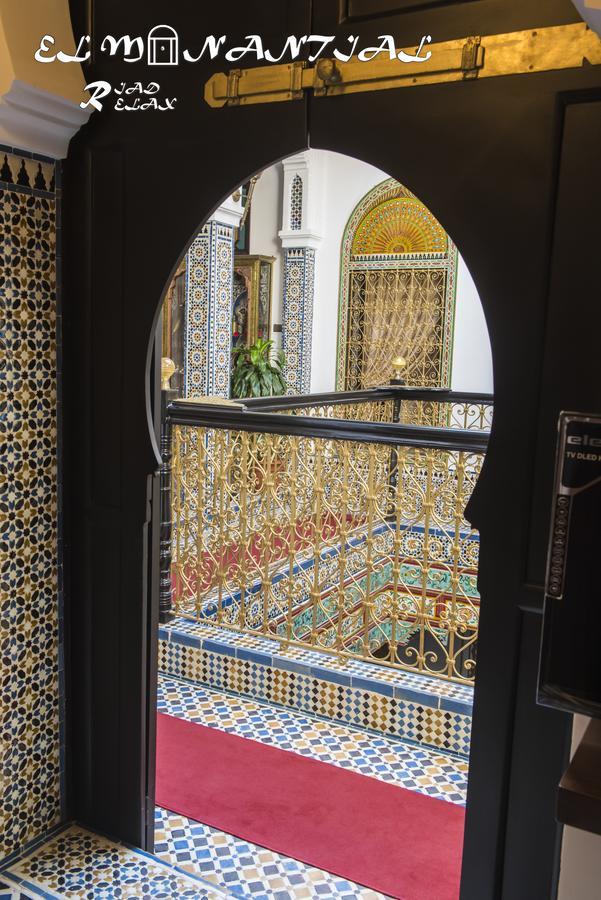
[(410, 406), (320, 521)]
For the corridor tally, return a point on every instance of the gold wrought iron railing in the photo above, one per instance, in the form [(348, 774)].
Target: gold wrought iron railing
[(345, 536)]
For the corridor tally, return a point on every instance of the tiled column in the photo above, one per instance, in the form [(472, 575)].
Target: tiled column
[(209, 276), (301, 211)]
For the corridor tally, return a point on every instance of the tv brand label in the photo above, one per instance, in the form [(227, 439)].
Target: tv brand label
[(578, 470)]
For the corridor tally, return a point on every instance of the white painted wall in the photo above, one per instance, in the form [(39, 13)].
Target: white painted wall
[(472, 360), (345, 182), (580, 875)]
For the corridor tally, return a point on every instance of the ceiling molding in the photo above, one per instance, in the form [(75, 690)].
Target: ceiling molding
[(39, 102), (38, 121)]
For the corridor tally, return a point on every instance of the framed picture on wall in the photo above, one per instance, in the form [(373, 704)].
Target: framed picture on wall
[(251, 301), (174, 325)]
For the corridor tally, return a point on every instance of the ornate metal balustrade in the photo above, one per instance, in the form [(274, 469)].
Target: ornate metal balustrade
[(330, 531)]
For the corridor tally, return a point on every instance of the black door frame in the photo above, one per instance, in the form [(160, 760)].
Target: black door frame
[(127, 216)]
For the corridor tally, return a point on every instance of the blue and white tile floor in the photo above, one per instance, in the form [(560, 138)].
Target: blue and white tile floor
[(195, 861), (246, 870)]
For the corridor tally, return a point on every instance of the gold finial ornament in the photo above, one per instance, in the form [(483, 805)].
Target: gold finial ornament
[(167, 370), (398, 364)]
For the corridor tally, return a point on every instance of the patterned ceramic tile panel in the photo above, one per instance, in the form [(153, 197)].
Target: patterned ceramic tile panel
[(297, 325), (296, 203), (209, 311), (79, 864), (271, 650), (8, 892), (29, 615), (310, 692)]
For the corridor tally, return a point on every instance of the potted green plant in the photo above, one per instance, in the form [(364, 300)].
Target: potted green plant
[(258, 370)]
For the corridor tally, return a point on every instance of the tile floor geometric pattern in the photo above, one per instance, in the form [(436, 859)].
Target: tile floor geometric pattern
[(78, 864), (244, 869), (411, 766), (196, 861)]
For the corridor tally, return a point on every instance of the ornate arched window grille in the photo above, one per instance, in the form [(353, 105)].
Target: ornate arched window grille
[(397, 292)]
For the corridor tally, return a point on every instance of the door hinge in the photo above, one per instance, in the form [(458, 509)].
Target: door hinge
[(490, 56)]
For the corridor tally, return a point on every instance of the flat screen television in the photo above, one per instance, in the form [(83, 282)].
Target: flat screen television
[(570, 660)]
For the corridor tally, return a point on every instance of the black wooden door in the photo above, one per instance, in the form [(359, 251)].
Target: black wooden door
[(137, 187), (507, 167)]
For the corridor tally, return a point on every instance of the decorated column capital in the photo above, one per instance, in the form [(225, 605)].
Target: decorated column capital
[(230, 212), (302, 201)]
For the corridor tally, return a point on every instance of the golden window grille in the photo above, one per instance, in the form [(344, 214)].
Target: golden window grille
[(396, 312)]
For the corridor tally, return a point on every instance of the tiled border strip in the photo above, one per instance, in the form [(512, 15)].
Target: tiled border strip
[(335, 676), (398, 711), (11, 891)]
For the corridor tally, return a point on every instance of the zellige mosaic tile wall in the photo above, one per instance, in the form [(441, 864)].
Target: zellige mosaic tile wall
[(400, 705), (29, 612)]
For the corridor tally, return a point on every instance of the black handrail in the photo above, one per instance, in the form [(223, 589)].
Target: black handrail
[(389, 392), (242, 418)]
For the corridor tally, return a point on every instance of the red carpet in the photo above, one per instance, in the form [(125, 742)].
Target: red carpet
[(376, 834)]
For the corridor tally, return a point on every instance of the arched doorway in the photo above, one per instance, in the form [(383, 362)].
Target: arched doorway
[(262, 566)]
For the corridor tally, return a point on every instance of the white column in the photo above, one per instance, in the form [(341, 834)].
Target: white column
[(209, 275), (301, 215)]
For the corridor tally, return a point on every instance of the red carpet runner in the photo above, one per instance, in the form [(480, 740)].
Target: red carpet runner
[(376, 834)]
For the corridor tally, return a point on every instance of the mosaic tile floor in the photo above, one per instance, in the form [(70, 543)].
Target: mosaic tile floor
[(76, 863), (411, 766), (196, 861), (244, 869)]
